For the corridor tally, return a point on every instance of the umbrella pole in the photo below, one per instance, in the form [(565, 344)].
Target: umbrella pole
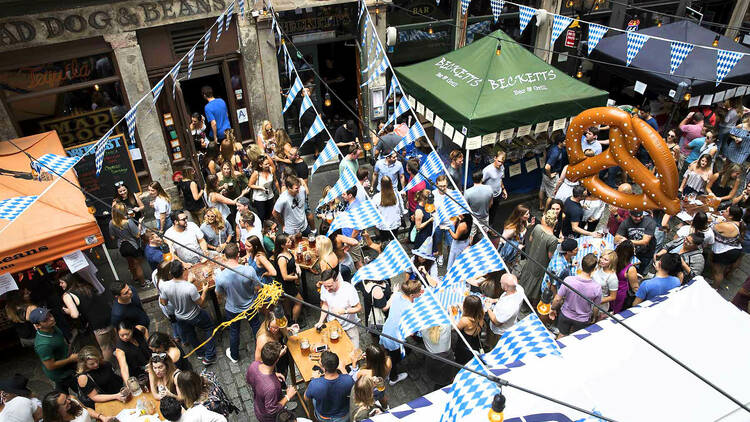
[(466, 171), (109, 259)]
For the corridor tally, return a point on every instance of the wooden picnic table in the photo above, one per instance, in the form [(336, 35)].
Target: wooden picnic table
[(114, 407), (206, 270)]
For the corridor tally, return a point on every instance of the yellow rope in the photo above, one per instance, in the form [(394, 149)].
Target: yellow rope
[(268, 294)]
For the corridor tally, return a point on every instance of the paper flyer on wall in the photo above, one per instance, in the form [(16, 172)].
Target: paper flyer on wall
[(506, 134), (7, 283), (475, 142), (489, 139), (438, 123), (75, 261), (458, 138), (523, 131), (428, 114), (448, 130), (541, 127), (514, 170), (531, 165), (420, 108), (558, 124)]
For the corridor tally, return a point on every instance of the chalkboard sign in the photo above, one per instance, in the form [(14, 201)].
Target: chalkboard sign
[(117, 166)]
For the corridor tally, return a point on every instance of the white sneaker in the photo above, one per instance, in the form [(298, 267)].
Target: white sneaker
[(402, 376), (440, 260), (229, 355)]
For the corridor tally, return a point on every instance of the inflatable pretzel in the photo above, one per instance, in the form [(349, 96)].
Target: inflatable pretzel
[(626, 134)]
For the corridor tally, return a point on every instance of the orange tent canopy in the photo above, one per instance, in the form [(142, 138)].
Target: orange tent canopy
[(57, 224)]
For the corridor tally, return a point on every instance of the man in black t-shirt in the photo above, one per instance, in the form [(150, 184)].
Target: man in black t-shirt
[(639, 229), (345, 134), (573, 215)]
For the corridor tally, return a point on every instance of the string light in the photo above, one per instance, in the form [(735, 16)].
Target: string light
[(716, 41), (687, 96), (429, 29), (579, 74), (327, 99), (570, 3), (658, 22), (737, 38), (499, 49), (498, 406), (575, 23)]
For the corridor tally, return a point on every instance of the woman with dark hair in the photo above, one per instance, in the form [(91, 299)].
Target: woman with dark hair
[(391, 208), (18, 307), (197, 396), (696, 176), (288, 273), (162, 206), (192, 194), (262, 184), (422, 217), (698, 225), (470, 325), (725, 184), (627, 275), (198, 131), (459, 231), (131, 349), (161, 343), (60, 407), (97, 381), (258, 260), (161, 374), (211, 159), (727, 247), (556, 205), (82, 303), (127, 233), (514, 230), (132, 202), (215, 197), (377, 364)]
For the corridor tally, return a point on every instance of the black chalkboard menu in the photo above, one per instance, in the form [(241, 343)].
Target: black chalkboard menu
[(117, 166)]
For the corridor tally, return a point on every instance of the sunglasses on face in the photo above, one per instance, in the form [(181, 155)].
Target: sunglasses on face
[(182, 218)]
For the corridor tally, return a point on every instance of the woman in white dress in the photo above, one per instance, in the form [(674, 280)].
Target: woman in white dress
[(564, 188)]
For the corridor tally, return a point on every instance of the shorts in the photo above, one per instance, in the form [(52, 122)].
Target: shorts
[(728, 258), (567, 325), (127, 250), (548, 184), (356, 253)]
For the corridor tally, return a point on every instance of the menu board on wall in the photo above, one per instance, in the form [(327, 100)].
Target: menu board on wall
[(118, 166)]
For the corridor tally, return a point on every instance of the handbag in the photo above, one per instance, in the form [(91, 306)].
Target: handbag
[(413, 234)]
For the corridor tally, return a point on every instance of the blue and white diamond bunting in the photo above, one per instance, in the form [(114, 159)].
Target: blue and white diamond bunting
[(54, 164), (425, 312), (635, 42), (596, 32), (11, 208), (415, 132), (292, 94), (452, 206), (401, 108), (497, 8), (359, 218), (174, 73), (464, 6), (432, 166), (219, 26), (330, 152), (130, 120), (315, 129), (191, 58), (206, 41), (559, 23), (306, 104), (228, 19), (390, 263), (525, 14), (377, 72), (678, 51), (346, 181), (478, 259), (241, 3), (725, 62), (101, 148)]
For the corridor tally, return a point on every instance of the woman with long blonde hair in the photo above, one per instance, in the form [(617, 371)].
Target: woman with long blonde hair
[(96, 378), (161, 374), (362, 405), (127, 233), (514, 231), (606, 275), (216, 230), (266, 139), (725, 184)]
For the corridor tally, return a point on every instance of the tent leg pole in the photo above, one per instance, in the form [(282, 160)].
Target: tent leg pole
[(109, 259), (466, 171)]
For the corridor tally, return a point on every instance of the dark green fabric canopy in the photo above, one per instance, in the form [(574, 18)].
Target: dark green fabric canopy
[(485, 92)]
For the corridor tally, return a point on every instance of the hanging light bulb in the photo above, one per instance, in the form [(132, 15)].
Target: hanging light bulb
[(327, 99), (377, 10), (658, 22), (687, 96), (579, 74), (499, 49), (498, 406), (575, 23), (737, 38), (429, 29), (570, 3), (716, 41), (596, 7)]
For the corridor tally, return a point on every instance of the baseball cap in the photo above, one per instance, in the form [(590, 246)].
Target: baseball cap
[(38, 315), (636, 213), (243, 201), (568, 245)]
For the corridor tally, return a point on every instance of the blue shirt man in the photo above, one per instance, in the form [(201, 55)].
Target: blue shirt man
[(330, 392), (667, 265), (695, 149), (217, 115)]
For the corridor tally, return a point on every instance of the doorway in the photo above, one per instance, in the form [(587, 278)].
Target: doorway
[(191, 90)]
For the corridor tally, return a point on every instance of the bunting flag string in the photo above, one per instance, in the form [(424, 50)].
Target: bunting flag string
[(228, 19), (330, 152), (725, 61), (635, 42), (292, 94), (497, 8), (401, 108), (130, 120), (525, 14), (54, 164), (430, 167), (596, 32), (377, 72), (470, 391), (219, 26), (391, 262), (364, 33), (677, 53), (464, 6), (11, 208), (359, 218), (155, 92), (450, 207), (206, 40), (190, 57), (478, 259), (415, 132), (174, 73), (315, 129), (306, 104), (241, 3), (425, 312), (393, 90), (559, 23), (361, 9), (101, 148), (345, 182)]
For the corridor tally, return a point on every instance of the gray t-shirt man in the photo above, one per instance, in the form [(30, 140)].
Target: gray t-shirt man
[(387, 143), (493, 177), (238, 290), (292, 208), (182, 295), (478, 197)]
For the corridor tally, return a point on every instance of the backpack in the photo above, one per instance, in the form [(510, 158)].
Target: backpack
[(217, 400)]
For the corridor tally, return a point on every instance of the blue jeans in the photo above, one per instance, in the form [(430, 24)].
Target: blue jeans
[(234, 331), (344, 418), (441, 235), (202, 321)]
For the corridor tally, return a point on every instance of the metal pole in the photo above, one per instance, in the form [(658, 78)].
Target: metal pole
[(109, 259), (466, 171)]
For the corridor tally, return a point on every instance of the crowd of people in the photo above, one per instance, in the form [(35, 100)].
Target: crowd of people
[(254, 208)]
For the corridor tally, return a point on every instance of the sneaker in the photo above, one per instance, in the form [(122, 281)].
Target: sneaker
[(440, 260), (291, 405), (229, 355), (402, 376), (208, 362)]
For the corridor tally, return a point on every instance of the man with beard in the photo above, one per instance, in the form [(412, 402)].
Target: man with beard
[(59, 407), (186, 233)]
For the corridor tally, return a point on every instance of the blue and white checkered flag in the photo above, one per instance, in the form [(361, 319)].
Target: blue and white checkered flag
[(206, 41), (219, 26), (464, 6), (635, 42), (330, 152), (191, 58), (393, 89), (426, 312), (315, 129), (359, 218), (497, 8), (430, 167), (377, 72), (451, 296), (228, 19), (306, 104), (54, 164), (156, 90), (173, 73), (364, 33), (596, 32), (725, 61), (478, 259), (525, 14), (289, 66), (559, 23), (469, 390), (11, 208), (449, 207), (345, 182), (677, 52), (130, 120), (390, 263), (292, 94), (401, 108), (241, 3), (101, 148), (415, 132)]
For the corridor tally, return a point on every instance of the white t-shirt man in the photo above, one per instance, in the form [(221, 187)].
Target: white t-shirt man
[(190, 237), (343, 298), (20, 409), (200, 413), (506, 310), (256, 230)]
